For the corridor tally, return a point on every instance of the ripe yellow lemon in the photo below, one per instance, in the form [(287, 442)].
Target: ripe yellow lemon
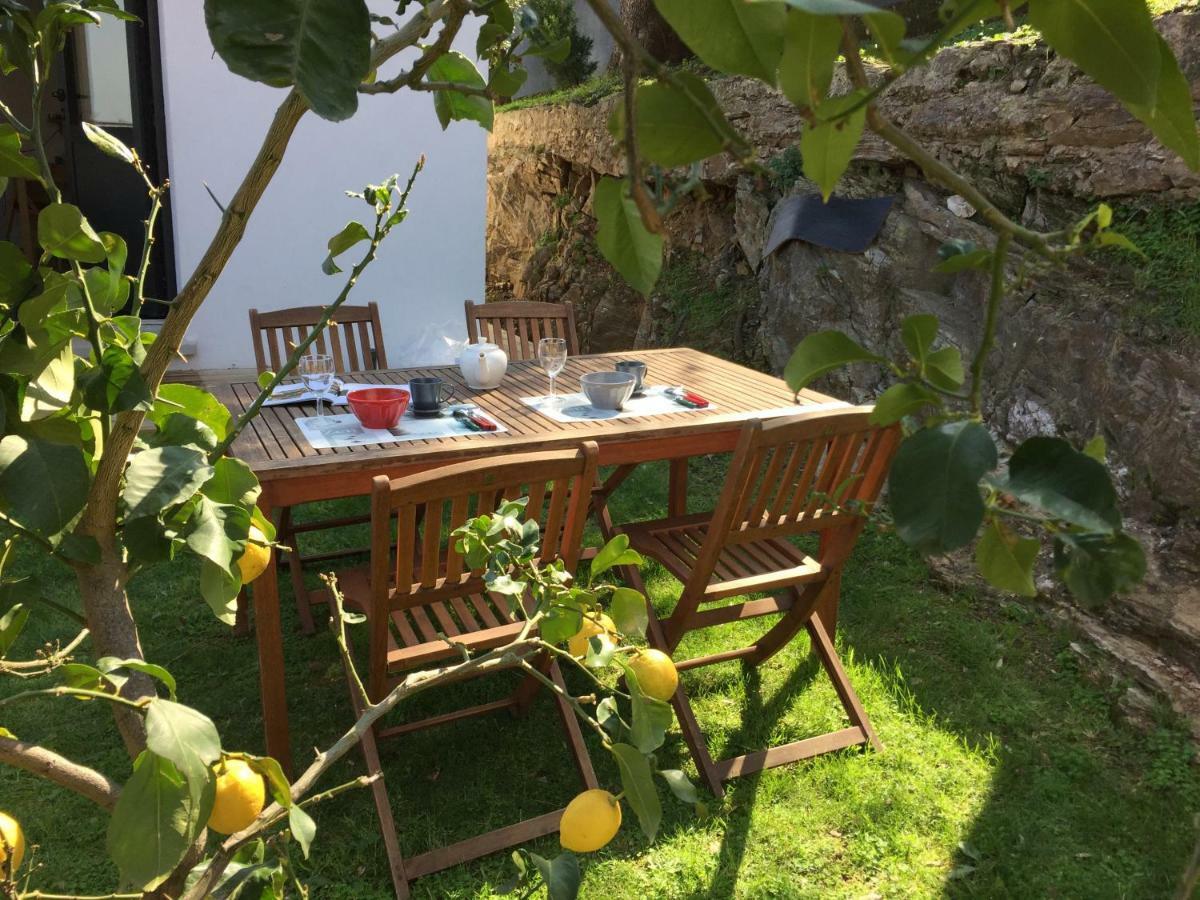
[(252, 563), (578, 643), (13, 840), (240, 797), (656, 674), (590, 821)]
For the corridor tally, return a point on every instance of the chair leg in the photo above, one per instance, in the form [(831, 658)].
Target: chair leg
[(688, 725), (241, 621), (841, 681), (778, 636), (383, 806), (296, 570), (583, 761)]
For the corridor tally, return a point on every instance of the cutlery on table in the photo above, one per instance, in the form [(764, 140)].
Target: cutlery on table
[(474, 419), (684, 397)]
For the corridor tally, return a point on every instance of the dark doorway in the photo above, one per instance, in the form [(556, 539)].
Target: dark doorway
[(113, 79)]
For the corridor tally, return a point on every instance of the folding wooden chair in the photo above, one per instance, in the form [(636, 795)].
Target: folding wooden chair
[(516, 326), (811, 473), (425, 590), (355, 340)]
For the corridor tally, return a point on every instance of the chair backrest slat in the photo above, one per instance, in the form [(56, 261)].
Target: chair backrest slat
[(354, 338), (807, 473), (476, 488), (517, 325)]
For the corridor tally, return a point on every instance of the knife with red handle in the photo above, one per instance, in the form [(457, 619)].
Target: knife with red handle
[(691, 397), (482, 422)]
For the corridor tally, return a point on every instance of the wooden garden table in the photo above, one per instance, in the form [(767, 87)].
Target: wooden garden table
[(292, 472)]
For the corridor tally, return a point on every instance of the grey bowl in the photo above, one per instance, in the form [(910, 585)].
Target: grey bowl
[(607, 390)]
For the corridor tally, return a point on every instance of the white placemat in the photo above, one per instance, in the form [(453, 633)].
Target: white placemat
[(328, 432), (295, 392), (654, 401)]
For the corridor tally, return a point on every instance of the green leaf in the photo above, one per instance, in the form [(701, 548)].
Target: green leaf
[(823, 352), (1006, 560), (810, 49), (1118, 240), (232, 482), (192, 401), (828, 146), (652, 718), (1171, 117), (302, 827), (272, 772), (1094, 567), (161, 477), (555, 51), (887, 30), (505, 82), (14, 163), (934, 488), (184, 431), (1055, 478), (672, 130), (64, 232), (901, 400), (106, 143), (184, 736), (960, 262), (918, 332), (451, 105), (108, 664), (217, 532), (323, 47), (1113, 41), (628, 609), (615, 553), (680, 785), (116, 385), (16, 274), (834, 7), (622, 237), (561, 621), (49, 391), (12, 623), (353, 233), (1097, 449), (219, 588), (43, 485), (944, 368), (561, 875), (731, 36), (638, 783), (157, 817)]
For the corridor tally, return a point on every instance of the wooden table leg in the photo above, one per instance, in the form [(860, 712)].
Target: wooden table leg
[(678, 487), (268, 632)]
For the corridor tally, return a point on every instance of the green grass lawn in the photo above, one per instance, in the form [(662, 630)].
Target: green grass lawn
[(1008, 770)]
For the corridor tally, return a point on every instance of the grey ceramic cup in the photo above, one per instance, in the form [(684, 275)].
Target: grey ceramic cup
[(636, 368), (429, 393), (607, 390)]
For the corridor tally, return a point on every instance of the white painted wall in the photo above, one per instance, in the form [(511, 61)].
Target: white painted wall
[(426, 269)]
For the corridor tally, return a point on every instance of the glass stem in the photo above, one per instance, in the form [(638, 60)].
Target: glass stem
[(320, 405), (553, 394)]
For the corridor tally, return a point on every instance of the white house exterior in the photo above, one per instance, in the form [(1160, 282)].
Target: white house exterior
[(215, 122)]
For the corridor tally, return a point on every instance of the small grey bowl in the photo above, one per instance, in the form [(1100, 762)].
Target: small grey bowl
[(607, 390)]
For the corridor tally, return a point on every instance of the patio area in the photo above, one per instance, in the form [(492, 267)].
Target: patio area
[(1009, 768)]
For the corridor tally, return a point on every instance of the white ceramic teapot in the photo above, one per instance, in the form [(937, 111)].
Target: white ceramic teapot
[(482, 365)]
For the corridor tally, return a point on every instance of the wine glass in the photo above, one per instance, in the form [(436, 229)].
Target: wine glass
[(552, 354), (316, 371)]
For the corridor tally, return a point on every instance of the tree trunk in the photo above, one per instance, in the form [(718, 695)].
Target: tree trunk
[(651, 31), (114, 631)]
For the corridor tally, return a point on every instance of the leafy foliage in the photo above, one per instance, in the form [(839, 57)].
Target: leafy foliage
[(557, 21)]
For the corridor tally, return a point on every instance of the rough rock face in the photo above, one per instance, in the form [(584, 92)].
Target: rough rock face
[(1039, 137)]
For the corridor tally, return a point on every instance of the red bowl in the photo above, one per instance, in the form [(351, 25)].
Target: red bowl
[(378, 407)]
